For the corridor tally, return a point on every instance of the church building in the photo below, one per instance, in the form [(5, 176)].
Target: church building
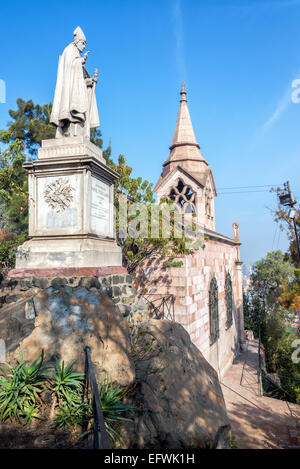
[(208, 286)]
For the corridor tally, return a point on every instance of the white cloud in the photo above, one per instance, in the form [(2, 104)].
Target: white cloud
[(280, 108), (288, 97)]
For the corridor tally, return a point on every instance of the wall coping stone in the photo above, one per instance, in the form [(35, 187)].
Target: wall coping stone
[(67, 272)]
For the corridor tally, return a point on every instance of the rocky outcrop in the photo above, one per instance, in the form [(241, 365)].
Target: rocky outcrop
[(178, 395), (62, 316)]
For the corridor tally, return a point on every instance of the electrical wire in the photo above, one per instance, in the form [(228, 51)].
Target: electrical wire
[(248, 187), (242, 192)]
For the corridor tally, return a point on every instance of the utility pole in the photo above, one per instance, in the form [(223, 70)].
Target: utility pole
[(288, 200)]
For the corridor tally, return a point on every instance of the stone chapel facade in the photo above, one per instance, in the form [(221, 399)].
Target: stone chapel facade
[(208, 286)]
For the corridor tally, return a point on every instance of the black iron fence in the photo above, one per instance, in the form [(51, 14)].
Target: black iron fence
[(276, 385), (162, 307), (100, 437)]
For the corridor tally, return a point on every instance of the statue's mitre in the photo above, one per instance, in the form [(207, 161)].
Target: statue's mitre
[(78, 34)]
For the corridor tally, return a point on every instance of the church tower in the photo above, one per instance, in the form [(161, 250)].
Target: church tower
[(186, 177)]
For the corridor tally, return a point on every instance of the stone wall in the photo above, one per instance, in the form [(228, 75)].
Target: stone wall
[(63, 315), (119, 287), (190, 286)]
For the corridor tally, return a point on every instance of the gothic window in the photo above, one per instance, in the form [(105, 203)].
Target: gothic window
[(228, 299), (213, 311), (183, 194), (208, 201)]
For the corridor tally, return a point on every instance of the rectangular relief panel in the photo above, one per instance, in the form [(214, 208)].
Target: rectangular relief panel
[(100, 208), (58, 205)]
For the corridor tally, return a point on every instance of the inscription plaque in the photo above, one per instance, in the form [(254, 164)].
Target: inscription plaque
[(100, 207)]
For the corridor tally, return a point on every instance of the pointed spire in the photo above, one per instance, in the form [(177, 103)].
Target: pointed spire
[(184, 144), (183, 92), (184, 132)]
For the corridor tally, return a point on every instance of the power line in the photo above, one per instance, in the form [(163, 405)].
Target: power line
[(242, 192), (248, 187)]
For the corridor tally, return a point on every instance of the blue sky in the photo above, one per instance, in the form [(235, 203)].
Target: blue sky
[(238, 59)]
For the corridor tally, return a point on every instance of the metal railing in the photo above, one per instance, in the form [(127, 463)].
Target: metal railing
[(268, 386), (162, 308), (272, 389), (100, 438)]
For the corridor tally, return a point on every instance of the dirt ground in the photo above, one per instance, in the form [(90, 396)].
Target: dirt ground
[(37, 435)]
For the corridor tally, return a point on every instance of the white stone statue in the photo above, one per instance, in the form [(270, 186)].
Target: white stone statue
[(74, 110)]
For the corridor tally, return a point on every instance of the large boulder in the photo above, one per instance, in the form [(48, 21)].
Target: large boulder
[(62, 321), (177, 395), (179, 398)]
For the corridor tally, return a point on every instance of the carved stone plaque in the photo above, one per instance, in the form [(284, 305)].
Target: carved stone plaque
[(59, 194), (58, 204), (100, 207)]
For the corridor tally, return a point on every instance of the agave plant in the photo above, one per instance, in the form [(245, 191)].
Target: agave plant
[(73, 413), (65, 382), (20, 390), (113, 407)]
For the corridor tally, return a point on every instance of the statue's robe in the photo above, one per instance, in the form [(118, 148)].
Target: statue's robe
[(73, 102)]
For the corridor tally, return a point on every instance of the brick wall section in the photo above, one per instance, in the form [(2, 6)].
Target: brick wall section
[(190, 285)]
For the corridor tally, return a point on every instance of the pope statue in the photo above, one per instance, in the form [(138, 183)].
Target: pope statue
[(74, 110)]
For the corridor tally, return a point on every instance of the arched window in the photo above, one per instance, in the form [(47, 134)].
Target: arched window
[(183, 194), (228, 299), (208, 202), (213, 310)]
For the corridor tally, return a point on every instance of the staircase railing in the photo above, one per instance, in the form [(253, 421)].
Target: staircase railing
[(100, 437)]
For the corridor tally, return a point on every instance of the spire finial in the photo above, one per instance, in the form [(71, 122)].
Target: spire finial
[(183, 92)]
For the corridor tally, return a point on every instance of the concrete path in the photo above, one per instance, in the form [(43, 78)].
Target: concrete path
[(257, 422)]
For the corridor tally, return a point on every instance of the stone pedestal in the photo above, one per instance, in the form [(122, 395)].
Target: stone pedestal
[(71, 211)]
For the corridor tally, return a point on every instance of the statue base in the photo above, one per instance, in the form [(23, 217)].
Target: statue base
[(71, 211), (67, 251)]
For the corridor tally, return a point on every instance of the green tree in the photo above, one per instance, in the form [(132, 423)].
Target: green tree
[(13, 185), (264, 308), (13, 198), (268, 276), (31, 124), (290, 295), (137, 190)]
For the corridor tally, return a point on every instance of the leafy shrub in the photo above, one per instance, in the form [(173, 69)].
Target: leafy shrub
[(111, 398), (66, 384), (20, 391), (8, 249), (73, 413), (67, 387), (173, 264)]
